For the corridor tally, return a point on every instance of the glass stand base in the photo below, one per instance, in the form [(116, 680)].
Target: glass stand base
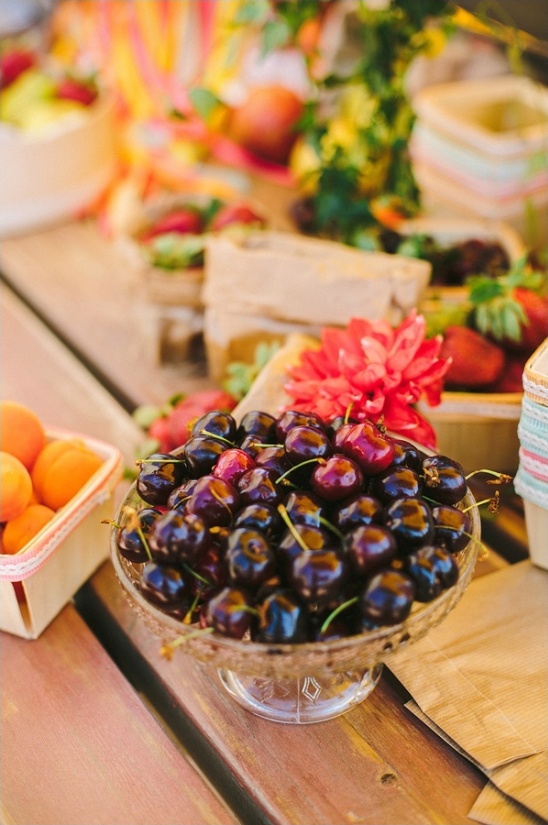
[(302, 700)]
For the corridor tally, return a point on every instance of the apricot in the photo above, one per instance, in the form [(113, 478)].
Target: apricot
[(15, 487), (19, 531), (21, 432), (61, 470)]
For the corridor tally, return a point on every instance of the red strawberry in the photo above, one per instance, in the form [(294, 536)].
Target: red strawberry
[(161, 432), (14, 63), (511, 377), (185, 412), (511, 309), (77, 90), (183, 221), (235, 213), (476, 362)]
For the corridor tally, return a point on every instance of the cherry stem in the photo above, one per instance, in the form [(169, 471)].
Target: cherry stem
[(151, 460), (196, 575), (296, 535), (336, 611), (296, 467), (192, 608), (144, 541), (501, 478), (493, 503), (334, 530), (218, 437), (168, 648), (223, 502)]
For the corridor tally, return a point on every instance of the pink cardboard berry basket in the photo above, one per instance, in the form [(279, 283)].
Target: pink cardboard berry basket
[(531, 481), (37, 582)]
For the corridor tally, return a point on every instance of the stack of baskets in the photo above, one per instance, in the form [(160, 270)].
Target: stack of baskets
[(531, 481)]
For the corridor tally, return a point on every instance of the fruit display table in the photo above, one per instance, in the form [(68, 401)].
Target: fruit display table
[(111, 731)]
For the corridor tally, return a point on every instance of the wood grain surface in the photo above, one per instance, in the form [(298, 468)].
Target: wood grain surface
[(79, 746)]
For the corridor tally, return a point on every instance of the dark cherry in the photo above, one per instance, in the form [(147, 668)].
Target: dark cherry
[(395, 482), (289, 548), (444, 564), (165, 586), (273, 458), (211, 571), (262, 517), (411, 522), (129, 540), (253, 445), (249, 558), (303, 507), (338, 478), (201, 454), (180, 495), (230, 612), (258, 486), (443, 479), (369, 448), (159, 474), (318, 576), (360, 509), (217, 423), (451, 527), (294, 418), (303, 443), (369, 547), (387, 598), (283, 619), (340, 627), (257, 423), (407, 454), (421, 569), (214, 500), (177, 536), (232, 464)]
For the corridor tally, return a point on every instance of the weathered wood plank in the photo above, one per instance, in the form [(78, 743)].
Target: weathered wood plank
[(80, 747), (377, 765), (81, 283)]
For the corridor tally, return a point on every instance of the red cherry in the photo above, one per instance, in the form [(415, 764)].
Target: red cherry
[(181, 221), (14, 63), (369, 448), (235, 213)]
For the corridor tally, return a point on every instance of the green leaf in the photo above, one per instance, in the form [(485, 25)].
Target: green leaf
[(276, 33), (484, 289), (203, 101), (146, 414)]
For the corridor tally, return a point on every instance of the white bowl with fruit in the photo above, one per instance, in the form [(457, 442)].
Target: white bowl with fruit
[(57, 141)]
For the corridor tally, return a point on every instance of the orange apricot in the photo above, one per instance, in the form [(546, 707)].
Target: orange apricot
[(15, 486), (21, 432), (19, 531), (61, 470)]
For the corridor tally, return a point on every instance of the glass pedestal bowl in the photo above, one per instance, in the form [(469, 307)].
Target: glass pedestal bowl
[(298, 683)]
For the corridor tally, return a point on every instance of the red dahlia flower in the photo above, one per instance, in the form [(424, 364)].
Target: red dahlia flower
[(373, 370)]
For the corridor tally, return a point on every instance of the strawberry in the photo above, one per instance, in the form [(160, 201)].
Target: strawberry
[(186, 411), (235, 213), (511, 309), (184, 221), (511, 377), (77, 90), (14, 63), (475, 361)]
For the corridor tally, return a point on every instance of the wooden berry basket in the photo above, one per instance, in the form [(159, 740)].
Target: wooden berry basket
[(37, 582), (531, 480)]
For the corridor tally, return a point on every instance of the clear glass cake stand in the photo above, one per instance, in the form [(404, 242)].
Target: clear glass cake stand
[(302, 683)]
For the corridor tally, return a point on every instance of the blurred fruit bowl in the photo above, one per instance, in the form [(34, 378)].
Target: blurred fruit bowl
[(38, 581), (53, 173)]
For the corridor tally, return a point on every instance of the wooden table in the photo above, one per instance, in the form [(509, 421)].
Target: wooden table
[(96, 726)]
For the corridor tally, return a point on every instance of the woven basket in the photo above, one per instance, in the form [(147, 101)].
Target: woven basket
[(531, 480), (37, 582)]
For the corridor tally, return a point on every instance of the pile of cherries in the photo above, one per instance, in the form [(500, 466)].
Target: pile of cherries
[(289, 529)]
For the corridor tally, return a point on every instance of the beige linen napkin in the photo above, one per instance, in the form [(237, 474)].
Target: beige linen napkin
[(480, 679)]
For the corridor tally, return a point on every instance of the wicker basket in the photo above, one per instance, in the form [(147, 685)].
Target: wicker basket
[(37, 582), (531, 480)]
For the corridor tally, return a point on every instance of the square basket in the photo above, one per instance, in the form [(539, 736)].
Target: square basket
[(531, 480), (37, 582)]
